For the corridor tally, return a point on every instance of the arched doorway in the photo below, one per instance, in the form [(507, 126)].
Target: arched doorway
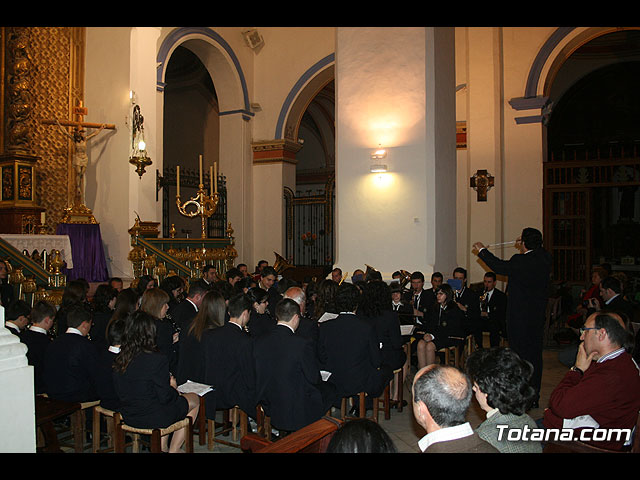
[(310, 235), (191, 128), (592, 167), (230, 107)]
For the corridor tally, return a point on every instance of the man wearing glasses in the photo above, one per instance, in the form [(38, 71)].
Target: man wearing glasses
[(602, 389)]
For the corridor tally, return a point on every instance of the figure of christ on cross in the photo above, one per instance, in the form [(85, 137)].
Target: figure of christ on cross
[(80, 138)]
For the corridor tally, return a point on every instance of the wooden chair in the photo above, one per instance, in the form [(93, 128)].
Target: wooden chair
[(156, 435), (362, 413), (313, 438), (385, 400), (234, 421), (98, 413), (78, 426), (46, 411)]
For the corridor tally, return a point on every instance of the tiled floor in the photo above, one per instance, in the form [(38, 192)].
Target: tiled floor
[(405, 432)]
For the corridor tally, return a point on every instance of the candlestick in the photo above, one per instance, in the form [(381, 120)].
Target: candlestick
[(201, 170), (178, 180), (215, 176)]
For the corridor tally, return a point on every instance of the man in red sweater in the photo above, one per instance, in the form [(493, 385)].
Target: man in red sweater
[(602, 389)]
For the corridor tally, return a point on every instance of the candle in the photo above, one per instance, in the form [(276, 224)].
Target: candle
[(178, 180), (200, 169), (212, 180), (215, 175), (42, 216)]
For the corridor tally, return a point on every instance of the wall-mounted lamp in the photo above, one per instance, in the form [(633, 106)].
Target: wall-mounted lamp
[(378, 168), (138, 156)]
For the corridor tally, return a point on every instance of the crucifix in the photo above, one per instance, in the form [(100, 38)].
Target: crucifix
[(482, 181), (79, 137)]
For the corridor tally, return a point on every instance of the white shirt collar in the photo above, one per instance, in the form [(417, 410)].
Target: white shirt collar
[(37, 329), (286, 325), (191, 302), (610, 355), (12, 325), (114, 349), (74, 330), (445, 435), (611, 299)]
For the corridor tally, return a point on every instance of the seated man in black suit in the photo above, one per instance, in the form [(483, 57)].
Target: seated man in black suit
[(70, 361), (36, 337), (228, 364), (614, 301), (467, 300), (348, 348), (184, 312), (288, 382), (267, 282), (16, 317), (493, 313), (307, 327)]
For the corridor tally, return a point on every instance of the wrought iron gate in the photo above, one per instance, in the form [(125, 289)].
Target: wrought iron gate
[(310, 236)]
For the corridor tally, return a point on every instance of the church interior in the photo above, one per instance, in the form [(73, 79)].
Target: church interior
[(131, 151)]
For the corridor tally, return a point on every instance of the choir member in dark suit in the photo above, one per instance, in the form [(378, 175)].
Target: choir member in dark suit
[(106, 357), (145, 282), (444, 327), (36, 337), (348, 347), (468, 301), (613, 296), (185, 311), (307, 326), (493, 313), (267, 282), (104, 303), (191, 360), (375, 307), (6, 289), (127, 302), (528, 291), (148, 393), (325, 299), (70, 361), (16, 317), (174, 286), (419, 298), (288, 382), (74, 292), (155, 302), (229, 366), (260, 319)]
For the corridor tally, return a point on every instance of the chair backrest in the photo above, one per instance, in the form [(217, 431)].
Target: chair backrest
[(313, 438)]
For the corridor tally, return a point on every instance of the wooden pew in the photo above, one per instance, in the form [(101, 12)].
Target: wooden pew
[(313, 438)]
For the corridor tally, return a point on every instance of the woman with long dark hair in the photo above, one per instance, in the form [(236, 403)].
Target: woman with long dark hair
[(191, 359), (147, 391), (444, 327), (74, 292), (325, 300)]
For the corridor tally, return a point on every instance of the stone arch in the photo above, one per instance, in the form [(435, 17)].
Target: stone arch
[(218, 58), (304, 90)]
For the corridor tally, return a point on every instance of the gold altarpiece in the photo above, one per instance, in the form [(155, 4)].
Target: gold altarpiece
[(42, 77)]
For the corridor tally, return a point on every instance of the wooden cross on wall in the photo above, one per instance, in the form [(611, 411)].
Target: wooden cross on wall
[(481, 182)]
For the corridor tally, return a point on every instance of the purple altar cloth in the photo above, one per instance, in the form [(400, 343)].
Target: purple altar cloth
[(86, 247)]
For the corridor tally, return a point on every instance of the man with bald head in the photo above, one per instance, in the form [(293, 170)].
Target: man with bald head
[(441, 398), (602, 389), (307, 327)]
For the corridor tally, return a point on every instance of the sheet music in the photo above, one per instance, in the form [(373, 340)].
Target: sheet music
[(195, 387), (327, 316), (407, 329)]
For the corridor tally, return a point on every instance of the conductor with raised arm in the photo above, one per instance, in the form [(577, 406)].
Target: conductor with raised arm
[(528, 275)]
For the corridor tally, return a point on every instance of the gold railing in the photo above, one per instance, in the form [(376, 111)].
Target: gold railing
[(163, 257), (34, 276)]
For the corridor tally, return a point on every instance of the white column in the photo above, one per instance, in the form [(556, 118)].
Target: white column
[(393, 88), (17, 402)]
